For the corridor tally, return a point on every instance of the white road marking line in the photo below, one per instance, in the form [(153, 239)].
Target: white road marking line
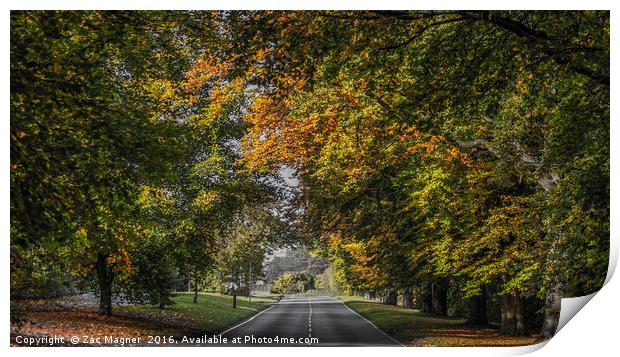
[(373, 325), (248, 320), (309, 320)]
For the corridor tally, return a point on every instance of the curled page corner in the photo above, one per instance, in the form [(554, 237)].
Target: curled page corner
[(613, 260), (523, 350), (571, 306)]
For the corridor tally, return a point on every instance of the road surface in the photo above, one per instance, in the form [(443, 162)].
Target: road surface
[(307, 321)]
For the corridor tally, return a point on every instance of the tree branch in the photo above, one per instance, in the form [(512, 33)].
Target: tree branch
[(541, 38), (421, 32)]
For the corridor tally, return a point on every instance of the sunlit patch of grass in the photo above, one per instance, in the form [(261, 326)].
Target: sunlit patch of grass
[(212, 313)]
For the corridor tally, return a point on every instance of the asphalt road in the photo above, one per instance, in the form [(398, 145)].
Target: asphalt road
[(307, 321)]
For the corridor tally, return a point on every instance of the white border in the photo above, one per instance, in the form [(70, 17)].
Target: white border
[(592, 331), (309, 5)]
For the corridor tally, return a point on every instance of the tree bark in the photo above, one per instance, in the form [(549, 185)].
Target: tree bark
[(440, 297), (551, 319), (478, 309), (508, 315), (105, 278), (391, 298), (513, 320), (426, 298), (519, 316), (407, 299), (195, 299)]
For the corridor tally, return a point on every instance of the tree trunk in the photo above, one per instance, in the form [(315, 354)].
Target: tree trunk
[(508, 315), (426, 298), (391, 298), (519, 316), (551, 319), (440, 297), (248, 282), (195, 299), (407, 299), (234, 299), (105, 278), (513, 320), (553, 298), (478, 309)]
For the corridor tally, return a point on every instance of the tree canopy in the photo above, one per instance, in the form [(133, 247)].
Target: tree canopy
[(438, 152)]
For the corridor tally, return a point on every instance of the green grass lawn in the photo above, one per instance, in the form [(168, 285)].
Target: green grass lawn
[(211, 314), (412, 327)]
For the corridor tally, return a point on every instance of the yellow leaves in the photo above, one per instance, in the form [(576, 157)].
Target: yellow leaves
[(260, 55), (153, 197), (206, 200), (161, 90), (356, 249), (291, 81)]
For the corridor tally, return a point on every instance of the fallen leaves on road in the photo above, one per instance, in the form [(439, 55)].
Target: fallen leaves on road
[(468, 336)]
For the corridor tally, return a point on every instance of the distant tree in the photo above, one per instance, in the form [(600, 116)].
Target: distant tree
[(292, 261), (293, 283)]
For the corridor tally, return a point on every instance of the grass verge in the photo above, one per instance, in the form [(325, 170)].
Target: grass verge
[(414, 328), (211, 314)]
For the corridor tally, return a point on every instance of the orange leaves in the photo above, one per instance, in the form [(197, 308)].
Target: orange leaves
[(453, 153), (121, 261), (210, 86), (260, 55), (204, 70), (427, 147), (363, 266), (82, 322), (212, 73), (277, 137)]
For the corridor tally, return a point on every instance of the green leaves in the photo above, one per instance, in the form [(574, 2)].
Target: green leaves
[(459, 144), (437, 135)]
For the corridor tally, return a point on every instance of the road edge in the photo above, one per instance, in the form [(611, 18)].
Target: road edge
[(372, 324), (245, 321)]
